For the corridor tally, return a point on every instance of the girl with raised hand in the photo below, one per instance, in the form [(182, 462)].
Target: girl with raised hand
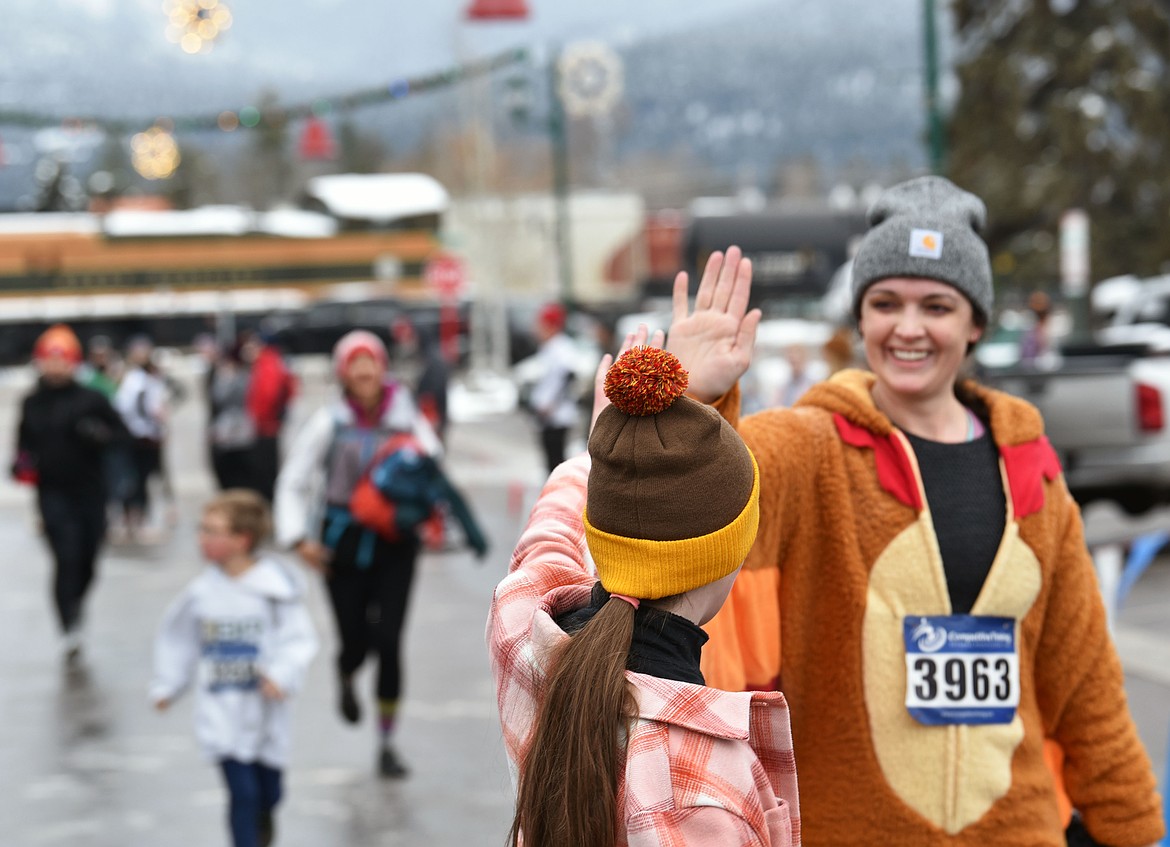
[(616, 739)]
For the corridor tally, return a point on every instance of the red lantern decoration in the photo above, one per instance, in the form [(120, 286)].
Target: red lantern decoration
[(317, 141), (488, 10)]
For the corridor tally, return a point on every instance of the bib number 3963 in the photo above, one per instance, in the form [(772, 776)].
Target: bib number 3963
[(961, 669)]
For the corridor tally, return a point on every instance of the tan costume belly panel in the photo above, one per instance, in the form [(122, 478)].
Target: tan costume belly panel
[(951, 775)]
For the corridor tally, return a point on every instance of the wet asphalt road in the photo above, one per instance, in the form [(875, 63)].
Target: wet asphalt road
[(86, 761)]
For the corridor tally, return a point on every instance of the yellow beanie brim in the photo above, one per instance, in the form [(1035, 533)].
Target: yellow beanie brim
[(649, 569)]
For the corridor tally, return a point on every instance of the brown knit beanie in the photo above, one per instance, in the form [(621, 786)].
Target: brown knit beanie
[(673, 495)]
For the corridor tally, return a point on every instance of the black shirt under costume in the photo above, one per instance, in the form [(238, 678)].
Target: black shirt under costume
[(964, 490)]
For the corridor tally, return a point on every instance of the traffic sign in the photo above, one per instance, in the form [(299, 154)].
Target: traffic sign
[(445, 274), (1074, 252)]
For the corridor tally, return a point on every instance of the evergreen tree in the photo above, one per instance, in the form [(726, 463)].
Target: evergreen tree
[(269, 166), (360, 152), (1065, 103), (114, 160)]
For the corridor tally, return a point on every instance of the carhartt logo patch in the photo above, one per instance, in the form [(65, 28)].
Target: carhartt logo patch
[(926, 243)]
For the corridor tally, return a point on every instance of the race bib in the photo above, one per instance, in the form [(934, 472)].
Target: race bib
[(961, 669), (231, 653)]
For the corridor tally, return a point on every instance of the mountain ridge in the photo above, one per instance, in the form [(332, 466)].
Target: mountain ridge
[(836, 83)]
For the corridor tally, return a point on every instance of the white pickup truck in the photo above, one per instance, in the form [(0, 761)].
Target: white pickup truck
[(1107, 413), (1106, 407)]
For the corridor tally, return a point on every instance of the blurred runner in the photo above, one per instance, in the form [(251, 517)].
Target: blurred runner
[(142, 401), (271, 390), (553, 399), (63, 437), (368, 576), (231, 430), (241, 635)]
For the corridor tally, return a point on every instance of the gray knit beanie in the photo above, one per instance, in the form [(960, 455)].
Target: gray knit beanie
[(930, 228)]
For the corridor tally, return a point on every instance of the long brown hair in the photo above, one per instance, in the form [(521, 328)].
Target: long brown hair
[(567, 794)]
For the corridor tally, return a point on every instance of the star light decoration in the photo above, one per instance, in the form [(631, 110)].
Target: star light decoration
[(154, 153), (196, 24)]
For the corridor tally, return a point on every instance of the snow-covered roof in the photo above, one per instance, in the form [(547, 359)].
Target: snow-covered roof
[(206, 220), (150, 303), (220, 220), (379, 197), (36, 223), (296, 223), (374, 197)]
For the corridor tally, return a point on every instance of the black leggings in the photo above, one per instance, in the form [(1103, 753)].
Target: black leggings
[(552, 441), (369, 603), (75, 524), (146, 455), (232, 468), (266, 465)]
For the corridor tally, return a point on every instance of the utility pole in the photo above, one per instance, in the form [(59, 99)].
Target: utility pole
[(558, 139), (934, 124), (492, 308)]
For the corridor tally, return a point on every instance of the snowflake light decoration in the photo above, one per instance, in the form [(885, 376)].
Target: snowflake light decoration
[(591, 78), (196, 24), (154, 153)]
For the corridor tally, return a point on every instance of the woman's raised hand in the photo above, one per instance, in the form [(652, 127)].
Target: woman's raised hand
[(715, 341), (638, 338)]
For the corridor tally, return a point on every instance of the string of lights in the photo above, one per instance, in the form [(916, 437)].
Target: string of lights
[(251, 117)]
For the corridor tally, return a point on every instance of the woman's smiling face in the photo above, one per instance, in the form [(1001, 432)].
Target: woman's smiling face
[(916, 334)]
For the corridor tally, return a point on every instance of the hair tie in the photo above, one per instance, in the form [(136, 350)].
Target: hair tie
[(633, 601)]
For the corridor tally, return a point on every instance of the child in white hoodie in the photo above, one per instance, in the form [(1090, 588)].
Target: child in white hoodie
[(241, 633)]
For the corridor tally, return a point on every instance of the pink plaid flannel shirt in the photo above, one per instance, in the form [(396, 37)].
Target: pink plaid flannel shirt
[(704, 766)]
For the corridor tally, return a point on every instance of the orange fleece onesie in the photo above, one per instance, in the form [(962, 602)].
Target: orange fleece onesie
[(846, 551)]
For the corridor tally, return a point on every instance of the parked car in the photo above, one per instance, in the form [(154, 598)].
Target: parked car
[(317, 328)]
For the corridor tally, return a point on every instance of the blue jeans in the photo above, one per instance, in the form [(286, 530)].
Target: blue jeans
[(253, 791)]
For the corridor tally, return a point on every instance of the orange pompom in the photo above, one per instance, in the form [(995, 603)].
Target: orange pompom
[(645, 381)]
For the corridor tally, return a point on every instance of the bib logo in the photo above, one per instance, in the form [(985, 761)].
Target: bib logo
[(928, 637), (926, 243)]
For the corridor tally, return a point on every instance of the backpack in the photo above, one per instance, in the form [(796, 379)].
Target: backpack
[(399, 494)]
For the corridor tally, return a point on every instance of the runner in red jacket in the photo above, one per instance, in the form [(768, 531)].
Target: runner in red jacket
[(271, 389)]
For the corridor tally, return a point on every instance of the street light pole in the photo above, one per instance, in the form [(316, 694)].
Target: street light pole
[(934, 123), (558, 139), (491, 300)]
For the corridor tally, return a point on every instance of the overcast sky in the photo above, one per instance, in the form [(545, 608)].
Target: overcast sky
[(47, 47)]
